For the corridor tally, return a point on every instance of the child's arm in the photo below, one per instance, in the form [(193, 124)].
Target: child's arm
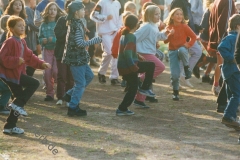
[(97, 16), (82, 43), (237, 52), (29, 20), (7, 58), (41, 38), (224, 49), (191, 35)]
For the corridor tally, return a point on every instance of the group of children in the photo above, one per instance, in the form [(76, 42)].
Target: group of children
[(135, 59)]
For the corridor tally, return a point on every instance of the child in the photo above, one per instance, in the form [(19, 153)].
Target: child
[(64, 77), (16, 7), (131, 7), (31, 38), (108, 19), (14, 55), (231, 73), (3, 22), (129, 66), (77, 57), (47, 39), (237, 5), (147, 37), (178, 47)]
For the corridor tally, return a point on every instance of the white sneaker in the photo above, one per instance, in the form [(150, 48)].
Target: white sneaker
[(216, 90), (20, 110), (14, 130), (186, 81), (59, 102)]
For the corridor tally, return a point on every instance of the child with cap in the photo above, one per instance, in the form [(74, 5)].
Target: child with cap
[(76, 55)]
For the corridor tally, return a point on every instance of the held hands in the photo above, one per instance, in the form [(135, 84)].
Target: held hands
[(50, 39), (109, 17), (46, 65), (44, 40), (169, 32), (21, 61), (141, 58)]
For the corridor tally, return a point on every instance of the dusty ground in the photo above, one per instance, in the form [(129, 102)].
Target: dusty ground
[(188, 129)]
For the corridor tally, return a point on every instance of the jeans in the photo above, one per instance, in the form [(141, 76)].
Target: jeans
[(5, 94), (82, 76), (64, 79), (174, 59), (233, 95)]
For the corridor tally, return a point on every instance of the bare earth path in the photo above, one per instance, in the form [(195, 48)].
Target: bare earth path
[(188, 129)]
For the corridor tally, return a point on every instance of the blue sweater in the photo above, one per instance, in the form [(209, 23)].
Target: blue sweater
[(226, 49)]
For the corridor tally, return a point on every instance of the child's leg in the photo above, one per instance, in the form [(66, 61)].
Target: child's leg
[(183, 56), (61, 79), (48, 73), (174, 68), (132, 81), (70, 81), (5, 94), (82, 76), (54, 68), (195, 53)]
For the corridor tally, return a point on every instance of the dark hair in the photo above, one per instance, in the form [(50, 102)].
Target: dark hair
[(66, 4), (130, 22), (9, 10), (233, 22)]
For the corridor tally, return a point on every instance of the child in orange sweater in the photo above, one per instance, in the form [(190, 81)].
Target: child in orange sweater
[(178, 47)]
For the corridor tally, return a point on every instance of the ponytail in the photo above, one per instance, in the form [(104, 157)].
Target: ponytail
[(126, 30)]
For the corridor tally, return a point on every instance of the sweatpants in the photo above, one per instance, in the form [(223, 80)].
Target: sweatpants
[(50, 75), (107, 58), (159, 68)]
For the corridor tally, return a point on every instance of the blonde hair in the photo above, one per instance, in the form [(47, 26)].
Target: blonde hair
[(3, 22), (45, 13), (149, 12), (169, 21), (12, 21), (207, 3), (129, 5), (234, 20)]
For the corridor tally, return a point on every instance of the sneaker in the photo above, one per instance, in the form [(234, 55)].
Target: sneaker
[(216, 90), (147, 92), (206, 79), (188, 73), (231, 123), (20, 110), (14, 130), (5, 111), (115, 82), (123, 83), (101, 78), (175, 95), (93, 62), (59, 102), (151, 99), (187, 82), (124, 113), (48, 98), (76, 112), (67, 97), (140, 104)]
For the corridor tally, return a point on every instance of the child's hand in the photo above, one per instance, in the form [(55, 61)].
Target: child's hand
[(109, 17), (50, 39), (186, 45), (86, 30), (44, 40), (21, 61), (141, 58), (46, 65), (169, 32)]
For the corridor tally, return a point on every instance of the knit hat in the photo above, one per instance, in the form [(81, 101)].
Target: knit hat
[(73, 7)]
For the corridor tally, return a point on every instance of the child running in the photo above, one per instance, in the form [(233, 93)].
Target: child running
[(13, 60), (231, 73), (47, 39), (129, 66), (178, 47), (77, 57)]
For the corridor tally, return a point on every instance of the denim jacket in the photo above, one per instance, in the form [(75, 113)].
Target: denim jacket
[(227, 49)]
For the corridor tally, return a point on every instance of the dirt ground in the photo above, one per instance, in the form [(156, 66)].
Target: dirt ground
[(187, 129)]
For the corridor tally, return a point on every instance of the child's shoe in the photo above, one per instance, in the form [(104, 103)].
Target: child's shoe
[(48, 98), (140, 104), (14, 130), (59, 102), (18, 109), (101, 78), (216, 90), (175, 95), (206, 79), (147, 92), (124, 113), (151, 99), (188, 73), (76, 112)]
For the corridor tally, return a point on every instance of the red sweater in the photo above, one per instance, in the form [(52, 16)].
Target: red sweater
[(116, 41), (218, 21), (10, 52), (179, 38)]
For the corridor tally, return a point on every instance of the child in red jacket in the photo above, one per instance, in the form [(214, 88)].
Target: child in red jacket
[(14, 57)]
